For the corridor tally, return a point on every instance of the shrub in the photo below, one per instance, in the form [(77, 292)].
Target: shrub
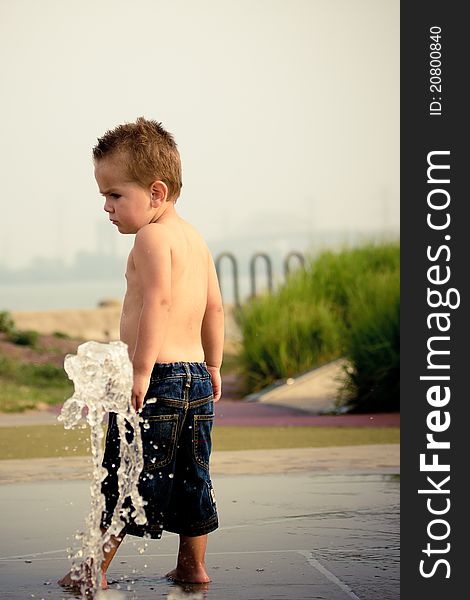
[(24, 338), (372, 382), (61, 335), (6, 322)]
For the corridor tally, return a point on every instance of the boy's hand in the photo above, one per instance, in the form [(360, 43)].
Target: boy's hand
[(139, 389), (216, 382)]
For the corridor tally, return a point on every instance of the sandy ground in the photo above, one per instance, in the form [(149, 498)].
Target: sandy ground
[(383, 458), (100, 324)]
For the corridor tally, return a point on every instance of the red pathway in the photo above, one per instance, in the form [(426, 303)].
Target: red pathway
[(239, 412), (258, 414)]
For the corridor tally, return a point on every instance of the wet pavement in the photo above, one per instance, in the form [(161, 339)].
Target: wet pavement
[(331, 536), (309, 523)]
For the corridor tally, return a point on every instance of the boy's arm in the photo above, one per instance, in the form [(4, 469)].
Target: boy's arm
[(152, 260), (212, 332)]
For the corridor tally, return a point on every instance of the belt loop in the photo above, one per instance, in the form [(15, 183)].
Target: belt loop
[(188, 375)]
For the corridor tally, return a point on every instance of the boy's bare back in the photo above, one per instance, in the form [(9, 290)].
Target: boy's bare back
[(187, 275)]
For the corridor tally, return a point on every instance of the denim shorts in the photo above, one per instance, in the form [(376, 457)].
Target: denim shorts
[(177, 418)]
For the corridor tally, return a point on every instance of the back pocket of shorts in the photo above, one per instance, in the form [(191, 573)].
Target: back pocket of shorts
[(158, 440), (202, 439)]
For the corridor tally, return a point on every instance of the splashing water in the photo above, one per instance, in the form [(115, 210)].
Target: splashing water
[(102, 377)]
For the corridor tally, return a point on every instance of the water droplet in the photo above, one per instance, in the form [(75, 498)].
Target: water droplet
[(171, 475), (190, 427), (146, 425)]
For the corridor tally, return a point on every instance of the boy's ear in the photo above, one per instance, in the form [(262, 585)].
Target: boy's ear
[(159, 193)]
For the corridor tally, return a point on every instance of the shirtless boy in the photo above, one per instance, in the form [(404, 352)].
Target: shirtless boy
[(172, 321)]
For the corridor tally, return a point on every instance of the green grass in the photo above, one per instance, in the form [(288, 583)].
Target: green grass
[(344, 304), (256, 438), (24, 385), (44, 441)]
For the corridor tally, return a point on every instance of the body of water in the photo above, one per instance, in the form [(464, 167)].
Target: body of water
[(59, 295)]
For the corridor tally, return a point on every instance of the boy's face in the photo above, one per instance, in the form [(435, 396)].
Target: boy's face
[(128, 204)]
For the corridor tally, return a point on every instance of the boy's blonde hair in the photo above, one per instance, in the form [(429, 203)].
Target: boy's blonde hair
[(148, 152)]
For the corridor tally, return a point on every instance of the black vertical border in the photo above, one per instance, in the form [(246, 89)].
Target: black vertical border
[(421, 133)]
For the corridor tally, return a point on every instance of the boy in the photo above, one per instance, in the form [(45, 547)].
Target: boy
[(172, 321)]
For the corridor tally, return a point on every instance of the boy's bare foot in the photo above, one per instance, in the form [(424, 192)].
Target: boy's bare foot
[(68, 582), (190, 575)]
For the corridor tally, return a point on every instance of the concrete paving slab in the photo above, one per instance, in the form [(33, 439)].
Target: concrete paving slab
[(315, 391), (292, 536)]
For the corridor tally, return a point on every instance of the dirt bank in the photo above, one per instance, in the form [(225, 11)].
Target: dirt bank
[(100, 324)]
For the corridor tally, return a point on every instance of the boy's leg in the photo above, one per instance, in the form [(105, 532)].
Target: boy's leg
[(109, 550), (191, 566)]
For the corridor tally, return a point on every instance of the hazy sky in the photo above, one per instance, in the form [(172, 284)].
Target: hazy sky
[(286, 113)]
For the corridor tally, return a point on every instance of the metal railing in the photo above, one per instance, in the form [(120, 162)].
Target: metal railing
[(256, 258)]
